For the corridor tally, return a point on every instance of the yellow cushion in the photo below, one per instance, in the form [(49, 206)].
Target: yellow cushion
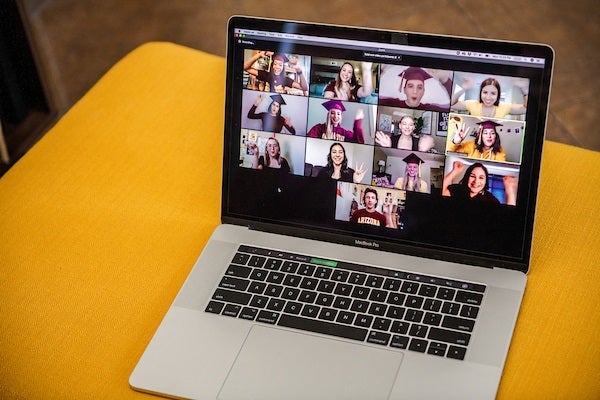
[(102, 220)]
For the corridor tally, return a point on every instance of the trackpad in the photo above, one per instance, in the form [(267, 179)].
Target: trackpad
[(279, 364)]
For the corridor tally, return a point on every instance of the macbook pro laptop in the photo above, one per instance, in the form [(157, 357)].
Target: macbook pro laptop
[(378, 201)]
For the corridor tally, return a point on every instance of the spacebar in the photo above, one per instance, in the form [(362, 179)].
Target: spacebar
[(313, 325)]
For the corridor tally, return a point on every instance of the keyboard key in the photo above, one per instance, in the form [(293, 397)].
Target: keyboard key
[(276, 304), (413, 315), (240, 258), (469, 311), (469, 297), (231, 310), (327, 314), (378, 338), (238, 271), (309, 283), (292, 280), (399, 342), (427, 290), (306, 269), (230, 296), (310, 310), (273, 290), (450, 308), (418, 330), (267, 317), (377, 309), (374, 281), (460, 324), (345, 317), (396, 298), (378, 295), (324, 299), (410, 287), (359, 306), (273, 264), (248, 313), (457, 352), (290, 293), (392, 284), (400, 327), (432, 305), (343, 289), (342, 302), (360, 292), (318, 326), (326, 286), (259, 301), (413, 302), (447, 336), (419, 345), (395, 312), (363, 320), (289, 267), (432, 319), (445, 293), (257, 261), (229, 282), (382, 324), (257, 287), (258, 275), (307, 296), (323, 273), (437, 349), (214, 307), (275, 277), (357, 278), (340, 275), (293, 307)]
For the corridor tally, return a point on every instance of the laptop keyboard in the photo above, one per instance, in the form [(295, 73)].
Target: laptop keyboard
[(386, 307)]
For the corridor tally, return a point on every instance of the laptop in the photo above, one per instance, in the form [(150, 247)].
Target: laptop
[(378, 200)]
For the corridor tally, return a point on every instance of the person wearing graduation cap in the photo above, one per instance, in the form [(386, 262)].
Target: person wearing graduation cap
[(486, 145), (412, 84), (276, 78), (411, 180), (272, 121), (332, 127)]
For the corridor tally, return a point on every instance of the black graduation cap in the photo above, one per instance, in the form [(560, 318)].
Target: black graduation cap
[(278, 98), (412, 158)]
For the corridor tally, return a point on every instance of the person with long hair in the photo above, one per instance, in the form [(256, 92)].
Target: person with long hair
[(489, 104), (332, 128), (272, 159), (346, 86), (272, 120), (486, 145), (411, 180), (337, 166), (474, 185)]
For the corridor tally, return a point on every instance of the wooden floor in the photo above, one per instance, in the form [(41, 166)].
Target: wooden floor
[(79, 40)]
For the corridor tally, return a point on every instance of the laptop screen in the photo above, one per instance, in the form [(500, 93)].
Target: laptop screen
[(424, 145)]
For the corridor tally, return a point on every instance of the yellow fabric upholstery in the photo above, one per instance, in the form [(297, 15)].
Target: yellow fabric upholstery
[(102, 220)]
